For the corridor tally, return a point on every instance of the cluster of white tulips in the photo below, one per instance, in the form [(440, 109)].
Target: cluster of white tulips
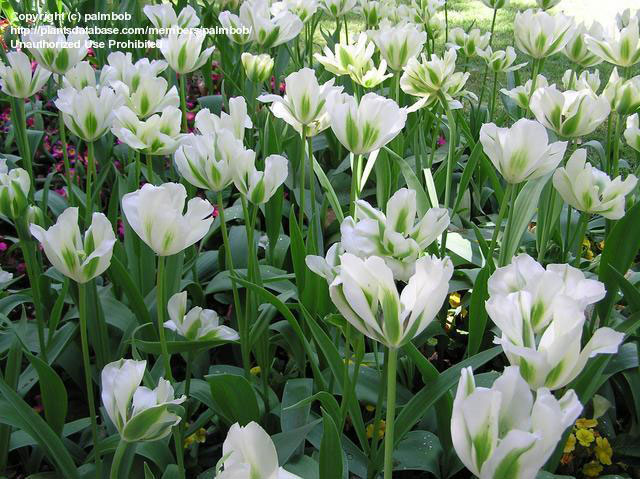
[(380, 98)]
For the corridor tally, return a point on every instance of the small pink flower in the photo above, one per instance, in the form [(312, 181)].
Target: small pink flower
[(21, 268), (3, 246), (62, 192), (441, 140), (216, 212)]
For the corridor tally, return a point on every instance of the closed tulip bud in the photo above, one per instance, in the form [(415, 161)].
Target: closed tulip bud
[(541, 316), (183, 51), (157, 135), (164, 17), (338, 8), (577, 50), (259, 186), (521, 94), (368, 125), (258, 68), (14, 190), (632, 133), (591, 190), (395, 237), (503, 432), (248, 451), (468, 43), (197, 324), (120, 68), (81, 259), (365, 293), (35, 215), (522, 152), (547, 4), (60, 53), (571, 114), (397, 44), (304, 106), (18, 79), (138, 413), (236, 121), (540, 35), (155, 213), (619, 47), (623, 95), (80, 76), (500, 61), (586, 81), (89, 112), (303, 9), (495, 4)]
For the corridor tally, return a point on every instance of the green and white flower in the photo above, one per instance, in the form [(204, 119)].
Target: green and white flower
[(164, 17), (14, 190), (619, 47), (152, 95), (623, 95), (338, 8), (521, 94), (183, 51), (259, 186), (159, 134), (80, 76), (632, 132), (577, 50), (120, 68), (586, 81), (58, 53), (398, 43), (540, 35), (469, 43), (495, 4), (258, 68), (500, 61), (303, 9), (197, 324), (18, 79), (547, 4), (236, 121)]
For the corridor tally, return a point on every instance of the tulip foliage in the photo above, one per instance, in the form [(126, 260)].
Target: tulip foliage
[(319, 239)]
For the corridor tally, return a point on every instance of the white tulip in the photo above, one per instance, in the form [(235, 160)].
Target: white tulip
[(120, 68), (14, 190), (577, 50), (5, 277), (632, 133), (197, 324), (89, 112), (164, 17), (80, 76), (547, 4), (139, 413), (258, 68), (372, 12), (58, 53), (500, 61), (468, 43), (620, 47), (586, 81), (623, 95), (571, 114), (399, 43), (328, 266), (624, 18), (156, 215), (304, 9), (521, 94), (502, 432), (591, 190), (495, 4), (183, 51), (395, 237), (540, 34), (157, 135), (338, 8), (18, 79), (152, 95), (304, 106), (522, 152), (237, 29), (365, 126), (259, 186), (249, 452), (81, 259), (236, 121)]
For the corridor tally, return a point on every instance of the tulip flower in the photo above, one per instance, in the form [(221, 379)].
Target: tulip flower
[(624, 18), (619, 47), (571, 114), (59, 53), (163, 16), (89, 112), (468, 43), (522, 152), (395, 237), (632, 133), (500, 61), (155, 213), (152, 95), (372, 12), (435, 27), (590, 190), (547, 4), (80, 76), (303, 9), (205, 160), (495, 4), (183, 51), (18, 79), (157, 135), (586, 81), (329, 266), (258, 68), (197, 324), (434, 81), (14, 190), (248, 451), (139, 413), (238, 29), (81, 259), (577, 50), (623, 95), (540, 34), (304, 106), (337, 8), (521, 94), (5, 277), (365, 126), (259, 186), (397, 44), (503, 432), (236, 121), (120, 68)]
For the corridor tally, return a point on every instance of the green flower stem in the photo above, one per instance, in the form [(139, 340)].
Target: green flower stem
[(177, 441), (356, 174), (506, 199), (345, 380), (22, 138), (252, 266), (503, 251), (149, 168), (569, 238), (535, 69), (486, 67), (183, 100), (620, 122), (65, 154), (493, 97), (607, 164), (84, 340), (138, 168), (117, 460), (161, 307), (580, 233), (391, 412), (493, 26), (302, 181), (450, 164), (312, 193), (89, 185)]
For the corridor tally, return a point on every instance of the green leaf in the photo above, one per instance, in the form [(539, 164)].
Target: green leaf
[(330, 449), (212, 102), (295, 390), (147, 472), (418, 451), (52, 392), (234, 398), (477, 311)]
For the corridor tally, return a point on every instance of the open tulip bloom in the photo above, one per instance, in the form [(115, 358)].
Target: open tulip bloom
[(585, 81), (152, 95), (197, 324), (183, 51), (540, 34), (632, 132), (80, 76), (259, 186), (258, 68), (303, 9), (60, 53), (399, 43), (623, 95), (522, 94), (236, 121), (577, 50), (619, 47), (504, 432), (338, 8), (18, 79), (157, 135), (468, 43), (500, 61), (163, 16), (121, 68)]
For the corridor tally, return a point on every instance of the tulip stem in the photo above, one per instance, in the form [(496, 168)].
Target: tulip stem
[(616, 145), (356, 172), (312, 192), (391, 412), (450, 163), (302, 181), (117, 459), (503, 251), (65, 154), (149, 168), (161, 306), (22, 138), (506, 199), (89, 193), (84, 341), (183, 100), (493, 97), (345, 379), (580, 233)]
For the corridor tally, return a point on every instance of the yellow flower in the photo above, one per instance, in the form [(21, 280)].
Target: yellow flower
[(592, 469), (584, 423), (454, 300), (381, 428), (603, 450), (255, 370), (585, 437), (586, 248), (199, 436), (370, 408), (570, 446)]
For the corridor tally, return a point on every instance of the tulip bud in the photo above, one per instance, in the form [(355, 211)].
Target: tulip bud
[(591, 190), (397, 44), (338, 8), (259, 186), (521, 94), (619, 47), (14, 190), (60, 53), (120, 68), (627, 16), (198, 324), (586, 81), (577, 50), (236, 121), (468, 43), (540, 34), (139, 413), (632, 133), (257, 67), (183, 51), (502, 432), (623, 96), (35, 215), (80, 76), (18, 79), (500, 61), (371, 10), (81, 259)]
